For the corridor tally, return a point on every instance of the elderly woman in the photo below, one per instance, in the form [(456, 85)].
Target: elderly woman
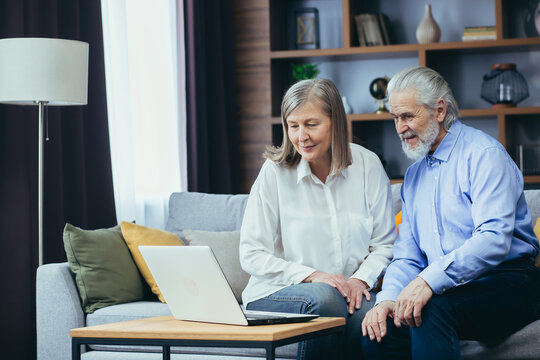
[(318, 229)]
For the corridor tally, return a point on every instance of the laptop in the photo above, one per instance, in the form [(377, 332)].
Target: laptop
[(195, 288)]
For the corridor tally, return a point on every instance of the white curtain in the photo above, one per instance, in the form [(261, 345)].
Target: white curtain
[(146, 105)]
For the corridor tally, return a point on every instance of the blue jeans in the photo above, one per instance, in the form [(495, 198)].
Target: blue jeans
[(487, 309), (324, 300)]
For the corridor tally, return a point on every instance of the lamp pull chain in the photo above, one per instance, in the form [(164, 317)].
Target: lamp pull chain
[(46, 123)]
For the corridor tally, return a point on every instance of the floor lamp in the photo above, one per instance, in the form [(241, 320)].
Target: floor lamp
[(43, 72)]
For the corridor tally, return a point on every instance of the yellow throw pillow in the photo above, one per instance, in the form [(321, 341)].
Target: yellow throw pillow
[(136, 235), (537, 233), (398, 220)]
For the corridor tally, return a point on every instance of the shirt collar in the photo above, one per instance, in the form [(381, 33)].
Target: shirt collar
[(448, 142), (303, 170)]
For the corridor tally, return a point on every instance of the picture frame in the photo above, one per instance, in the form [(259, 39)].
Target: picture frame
[(306, 22)]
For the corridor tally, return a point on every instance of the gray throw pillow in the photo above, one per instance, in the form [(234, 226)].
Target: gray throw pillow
[(225, 245), (104, 270)]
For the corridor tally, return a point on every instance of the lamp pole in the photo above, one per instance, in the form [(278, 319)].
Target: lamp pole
[(41, 120)]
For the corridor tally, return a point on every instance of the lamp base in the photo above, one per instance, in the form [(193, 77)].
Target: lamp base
[(501, 106)]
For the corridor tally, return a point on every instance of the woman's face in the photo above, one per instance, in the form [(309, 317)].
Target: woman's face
[(310, 132)]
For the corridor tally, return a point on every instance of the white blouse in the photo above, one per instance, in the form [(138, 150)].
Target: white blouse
[(294, 224)]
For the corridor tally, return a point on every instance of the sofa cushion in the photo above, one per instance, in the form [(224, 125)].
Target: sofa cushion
[(521, 345), (396, 197), (533, 201), (209, 212), (225, 246), (129, 311), (136, 235), (104, 271)]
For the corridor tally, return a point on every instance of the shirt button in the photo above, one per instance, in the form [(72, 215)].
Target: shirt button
[(443, 289), (435, 231), (462, 281), (436, 177), (440, 257)]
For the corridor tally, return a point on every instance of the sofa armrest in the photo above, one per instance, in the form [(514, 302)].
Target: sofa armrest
[(58, 310)]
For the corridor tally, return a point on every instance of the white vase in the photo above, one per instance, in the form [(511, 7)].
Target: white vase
[(428, 31), (346, 105)]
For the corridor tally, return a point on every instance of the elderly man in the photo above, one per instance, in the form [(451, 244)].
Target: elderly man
[(463, 261)]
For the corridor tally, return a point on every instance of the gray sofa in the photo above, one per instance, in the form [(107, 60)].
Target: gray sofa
[(58, 306)]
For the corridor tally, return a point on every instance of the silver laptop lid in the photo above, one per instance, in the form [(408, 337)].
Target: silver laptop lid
[(193, 284)]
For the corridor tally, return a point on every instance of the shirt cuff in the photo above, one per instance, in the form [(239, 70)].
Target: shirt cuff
[(366, 275), (436, 278), (389, 294), (298, 273)]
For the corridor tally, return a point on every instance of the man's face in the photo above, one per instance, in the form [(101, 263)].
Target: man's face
[(420, 131)]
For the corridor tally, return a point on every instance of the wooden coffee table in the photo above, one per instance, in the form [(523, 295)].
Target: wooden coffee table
[(165, 331)]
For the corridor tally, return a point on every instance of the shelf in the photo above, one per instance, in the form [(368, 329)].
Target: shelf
[(406, 50), (499, 111), (531, 179), (370, 117)]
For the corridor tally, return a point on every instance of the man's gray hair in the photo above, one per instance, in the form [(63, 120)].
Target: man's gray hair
[(429, 86)]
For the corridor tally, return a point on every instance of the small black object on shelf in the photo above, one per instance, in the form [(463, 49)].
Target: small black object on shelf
[(377, 89), (504, 86)]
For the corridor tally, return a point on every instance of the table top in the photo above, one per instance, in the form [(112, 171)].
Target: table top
[(167, 327)]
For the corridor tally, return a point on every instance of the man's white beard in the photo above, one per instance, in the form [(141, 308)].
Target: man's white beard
[(424, 143)]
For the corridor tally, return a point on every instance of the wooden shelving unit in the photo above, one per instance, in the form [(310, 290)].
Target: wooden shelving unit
[(276, 60)]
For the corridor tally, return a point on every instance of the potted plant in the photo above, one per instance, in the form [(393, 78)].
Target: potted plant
[(304, 71)]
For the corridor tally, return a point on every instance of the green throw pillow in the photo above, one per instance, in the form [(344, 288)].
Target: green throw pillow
[(104, 270)]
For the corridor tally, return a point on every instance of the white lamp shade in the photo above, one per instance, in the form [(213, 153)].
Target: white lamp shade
[(41, 69)]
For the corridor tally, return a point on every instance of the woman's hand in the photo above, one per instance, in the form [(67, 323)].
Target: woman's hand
[(335, 280), (358, 288)]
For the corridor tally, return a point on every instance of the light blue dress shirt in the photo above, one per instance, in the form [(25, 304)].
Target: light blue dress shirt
[(464, 212)]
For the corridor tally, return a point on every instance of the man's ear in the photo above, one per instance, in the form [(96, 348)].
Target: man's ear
[(440, 110)]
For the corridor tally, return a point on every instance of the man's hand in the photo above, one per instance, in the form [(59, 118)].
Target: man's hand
[(374, 323), (334, 280), (358, 288), (410, 302)]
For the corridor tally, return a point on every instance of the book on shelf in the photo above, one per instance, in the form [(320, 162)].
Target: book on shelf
[(478, 28), (360, 30), (384, 25), (479, 37), (373, 29), (479, 33)]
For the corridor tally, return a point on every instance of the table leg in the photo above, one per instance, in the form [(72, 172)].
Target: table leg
[(270, 352), (166, 352), (75, 350)]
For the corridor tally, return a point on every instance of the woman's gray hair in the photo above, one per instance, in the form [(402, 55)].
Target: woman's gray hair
[(324, 93), (429, 86)]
